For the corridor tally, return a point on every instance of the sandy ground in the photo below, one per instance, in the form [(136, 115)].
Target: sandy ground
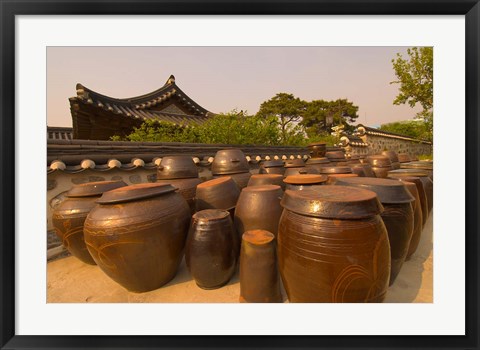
[(71, 281)]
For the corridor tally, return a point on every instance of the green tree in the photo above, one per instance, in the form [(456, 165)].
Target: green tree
[(288, 110), (320, 113), (412, 128), (415, 76)]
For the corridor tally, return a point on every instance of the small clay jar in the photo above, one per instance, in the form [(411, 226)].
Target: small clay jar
[(259, 278), (304, 182), (417, 220), (317, 150), (220, 193), (317, 163), (423, 176), (333, 178), (381, 165), (421, 191), (69, 217), (210, 253), (266, 179), (136, 234), (258, 208), (333, 246), (392, 155), (397, 216), (272, 167)]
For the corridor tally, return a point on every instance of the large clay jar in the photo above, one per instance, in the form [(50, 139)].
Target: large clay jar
[(221, 193), (210, 253), (317, 163), (259, 279), (423, 176), (333, 246), (336, 158), (317, 150), (304, 182), (421, 191), (182, 173), (136, 234), (258, 208), (423, 165), (272, 167), (397, 216), (266, 179), (392, 155), (381, 165), (68, 218), (232, 163), (417, 220)]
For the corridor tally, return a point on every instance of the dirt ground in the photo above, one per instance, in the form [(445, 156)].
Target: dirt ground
[(71, 281)]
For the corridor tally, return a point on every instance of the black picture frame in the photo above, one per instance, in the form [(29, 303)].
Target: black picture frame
[(9, 9)]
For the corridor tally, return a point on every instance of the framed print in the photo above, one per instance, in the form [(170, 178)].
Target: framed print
[(31, 31)]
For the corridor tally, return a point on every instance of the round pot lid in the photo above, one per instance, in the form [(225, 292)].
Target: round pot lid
[(305, 179), (333, 202), (91, 189), (323, 160), (294, 163), (379, 161), (135, 192), (335, 170), (208, 215), (407, 172), (418, 165), (389, 191)]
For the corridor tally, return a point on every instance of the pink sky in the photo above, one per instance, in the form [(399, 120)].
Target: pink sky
[(224, 78)]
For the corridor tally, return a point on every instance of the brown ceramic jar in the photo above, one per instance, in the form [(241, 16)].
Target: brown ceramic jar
[(304, 182), (136, 234), (421, 191), (210, 253), (363, 170), (258, 208), (333, 178), (299, 171), (392, 155), (403, 158), (423, 176), (317, 163), (221, 193), (330, 170), (317, 150), (259, 279), (381, 165), (68, 218), (272, 167), (397, 216), (240, 179), (333, 246), (230, 161), (417, 220), (423, 165), (266, 179)]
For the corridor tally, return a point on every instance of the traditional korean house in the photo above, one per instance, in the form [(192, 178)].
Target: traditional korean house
[(98, 117)]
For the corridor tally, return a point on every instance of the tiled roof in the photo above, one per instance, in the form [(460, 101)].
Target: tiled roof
[(59, 133), (79, 155), (362, 129)]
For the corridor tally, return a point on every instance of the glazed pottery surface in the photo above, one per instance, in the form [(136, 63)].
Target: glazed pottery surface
[(317, 163), (220, 193), (210, 252), (240, 179), (187, 189), (336, 170), (403, 158), (333, 246), (258, 208), (299, 171), (69, 217), (136, 234), (177, 167), (230, 161), (417, 220), (421, 192), (335, 155), (266, 179), (363, 170), (333, 178), (304, 181), (317, 150), (397, 216), (423, 176), (272, 167), (259, 279)]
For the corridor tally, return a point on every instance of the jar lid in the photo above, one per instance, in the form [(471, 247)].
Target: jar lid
[(407, 172), (294, 163), (323, 160), (389, 191), (91, 189), (272, 163), (335, 170), (258, 237), (417, 165), (333, 202), (379, 161), (177, 167), (306, 179), (208, 215), (135, 192), (261, 188)]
